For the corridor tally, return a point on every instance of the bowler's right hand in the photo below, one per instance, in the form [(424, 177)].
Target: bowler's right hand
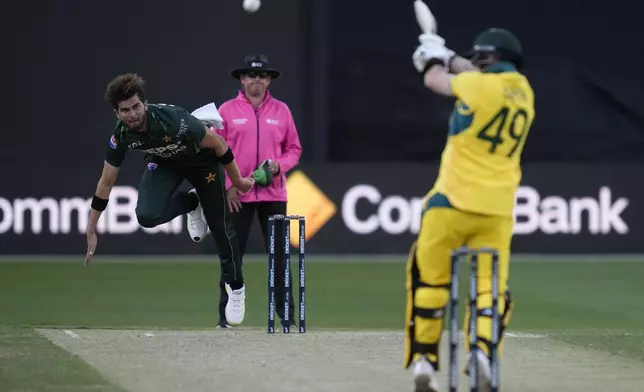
[(92, 240), (234, 205), (245, 184)]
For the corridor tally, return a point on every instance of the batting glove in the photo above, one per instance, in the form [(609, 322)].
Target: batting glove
[(431, 38), (432, 47)]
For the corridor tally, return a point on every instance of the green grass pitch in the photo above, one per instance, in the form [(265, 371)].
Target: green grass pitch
[(593, 305)]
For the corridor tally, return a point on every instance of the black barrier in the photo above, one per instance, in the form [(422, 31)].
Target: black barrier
[(588, 107), (347, 72), (367, 209), (68, 51)]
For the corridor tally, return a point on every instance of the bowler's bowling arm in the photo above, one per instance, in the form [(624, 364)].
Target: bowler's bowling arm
[(217, 143), (103, 189)]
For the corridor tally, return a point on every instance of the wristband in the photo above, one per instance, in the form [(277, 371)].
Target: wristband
[(227, 157), (431, 63), (99, 204)]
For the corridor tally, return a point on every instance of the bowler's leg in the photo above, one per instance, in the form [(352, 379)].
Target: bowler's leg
[(242, 221), (158, 201), (209, 182)]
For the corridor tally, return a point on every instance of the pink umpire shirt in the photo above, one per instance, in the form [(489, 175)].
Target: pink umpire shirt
[(253, 136)]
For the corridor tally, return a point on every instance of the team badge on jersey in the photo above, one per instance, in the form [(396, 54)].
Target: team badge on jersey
[(152, 166), (113, 143)]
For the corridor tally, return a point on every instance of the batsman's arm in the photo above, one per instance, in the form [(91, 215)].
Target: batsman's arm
[(458, 64), (438, 79), (102, 194), (471, 87)]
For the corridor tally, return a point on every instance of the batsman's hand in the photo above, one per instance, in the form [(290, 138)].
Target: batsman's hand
[(432, 46), (92, 240)]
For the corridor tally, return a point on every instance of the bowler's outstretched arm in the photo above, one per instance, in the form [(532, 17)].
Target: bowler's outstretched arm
[(99, 202)]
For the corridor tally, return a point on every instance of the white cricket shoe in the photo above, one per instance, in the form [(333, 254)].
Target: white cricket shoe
[(484, 378), (196, 222), (425, 377), (236, 305)]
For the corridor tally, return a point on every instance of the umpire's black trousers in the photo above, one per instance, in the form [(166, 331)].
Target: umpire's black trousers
[(160, 202), (243, 221)]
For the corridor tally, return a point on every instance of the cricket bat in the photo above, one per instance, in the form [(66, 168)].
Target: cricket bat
[(424, 17)]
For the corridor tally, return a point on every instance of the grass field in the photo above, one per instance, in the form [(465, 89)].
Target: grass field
[(145, 326)]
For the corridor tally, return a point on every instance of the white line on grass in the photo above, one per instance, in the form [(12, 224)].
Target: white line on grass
[(525, 335), (317, 258)]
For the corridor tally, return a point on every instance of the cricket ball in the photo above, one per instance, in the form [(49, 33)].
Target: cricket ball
[(251, 5)]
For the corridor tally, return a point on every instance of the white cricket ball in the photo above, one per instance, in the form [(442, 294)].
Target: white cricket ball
[(251, 5)]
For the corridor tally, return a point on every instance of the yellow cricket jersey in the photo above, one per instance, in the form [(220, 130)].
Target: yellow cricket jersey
[(481, 164)]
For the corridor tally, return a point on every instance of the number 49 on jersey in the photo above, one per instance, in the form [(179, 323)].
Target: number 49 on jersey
[(506, 131)]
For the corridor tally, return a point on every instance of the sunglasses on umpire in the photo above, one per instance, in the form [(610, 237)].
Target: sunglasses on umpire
[(254, 74)]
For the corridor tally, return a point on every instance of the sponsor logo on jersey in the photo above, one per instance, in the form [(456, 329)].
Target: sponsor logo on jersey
[(135, 145), (240, 121), (152, 166), (183, 128), (113, 143), (168, 151)]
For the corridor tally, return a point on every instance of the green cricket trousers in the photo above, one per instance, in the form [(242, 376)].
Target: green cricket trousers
[(160, 202)]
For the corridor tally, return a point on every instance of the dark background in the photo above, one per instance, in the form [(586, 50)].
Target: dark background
[(582, 60), (347, 76)]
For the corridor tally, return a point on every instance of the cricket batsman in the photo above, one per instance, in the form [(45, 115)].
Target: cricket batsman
[(472, 201), (178, 146)]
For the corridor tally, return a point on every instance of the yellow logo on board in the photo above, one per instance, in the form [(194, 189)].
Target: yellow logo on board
[(306, 199)]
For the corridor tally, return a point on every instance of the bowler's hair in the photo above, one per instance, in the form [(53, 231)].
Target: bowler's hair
[(124, 87)]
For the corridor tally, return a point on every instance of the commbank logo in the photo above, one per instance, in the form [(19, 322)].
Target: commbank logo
[(68, 215)]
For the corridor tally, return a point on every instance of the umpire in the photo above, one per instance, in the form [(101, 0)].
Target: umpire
[(261, 133)]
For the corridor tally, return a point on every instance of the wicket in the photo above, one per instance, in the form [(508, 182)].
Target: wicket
[(453, 326), (286, 221)]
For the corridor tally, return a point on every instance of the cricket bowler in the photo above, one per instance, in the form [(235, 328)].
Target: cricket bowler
[(472, 201), (178, 147)]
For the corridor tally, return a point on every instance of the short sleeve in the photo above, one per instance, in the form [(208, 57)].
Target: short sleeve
[(469, 87), (115, 152), (196, 129)]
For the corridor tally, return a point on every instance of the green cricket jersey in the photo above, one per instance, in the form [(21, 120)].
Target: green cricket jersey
[(172, 134)]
